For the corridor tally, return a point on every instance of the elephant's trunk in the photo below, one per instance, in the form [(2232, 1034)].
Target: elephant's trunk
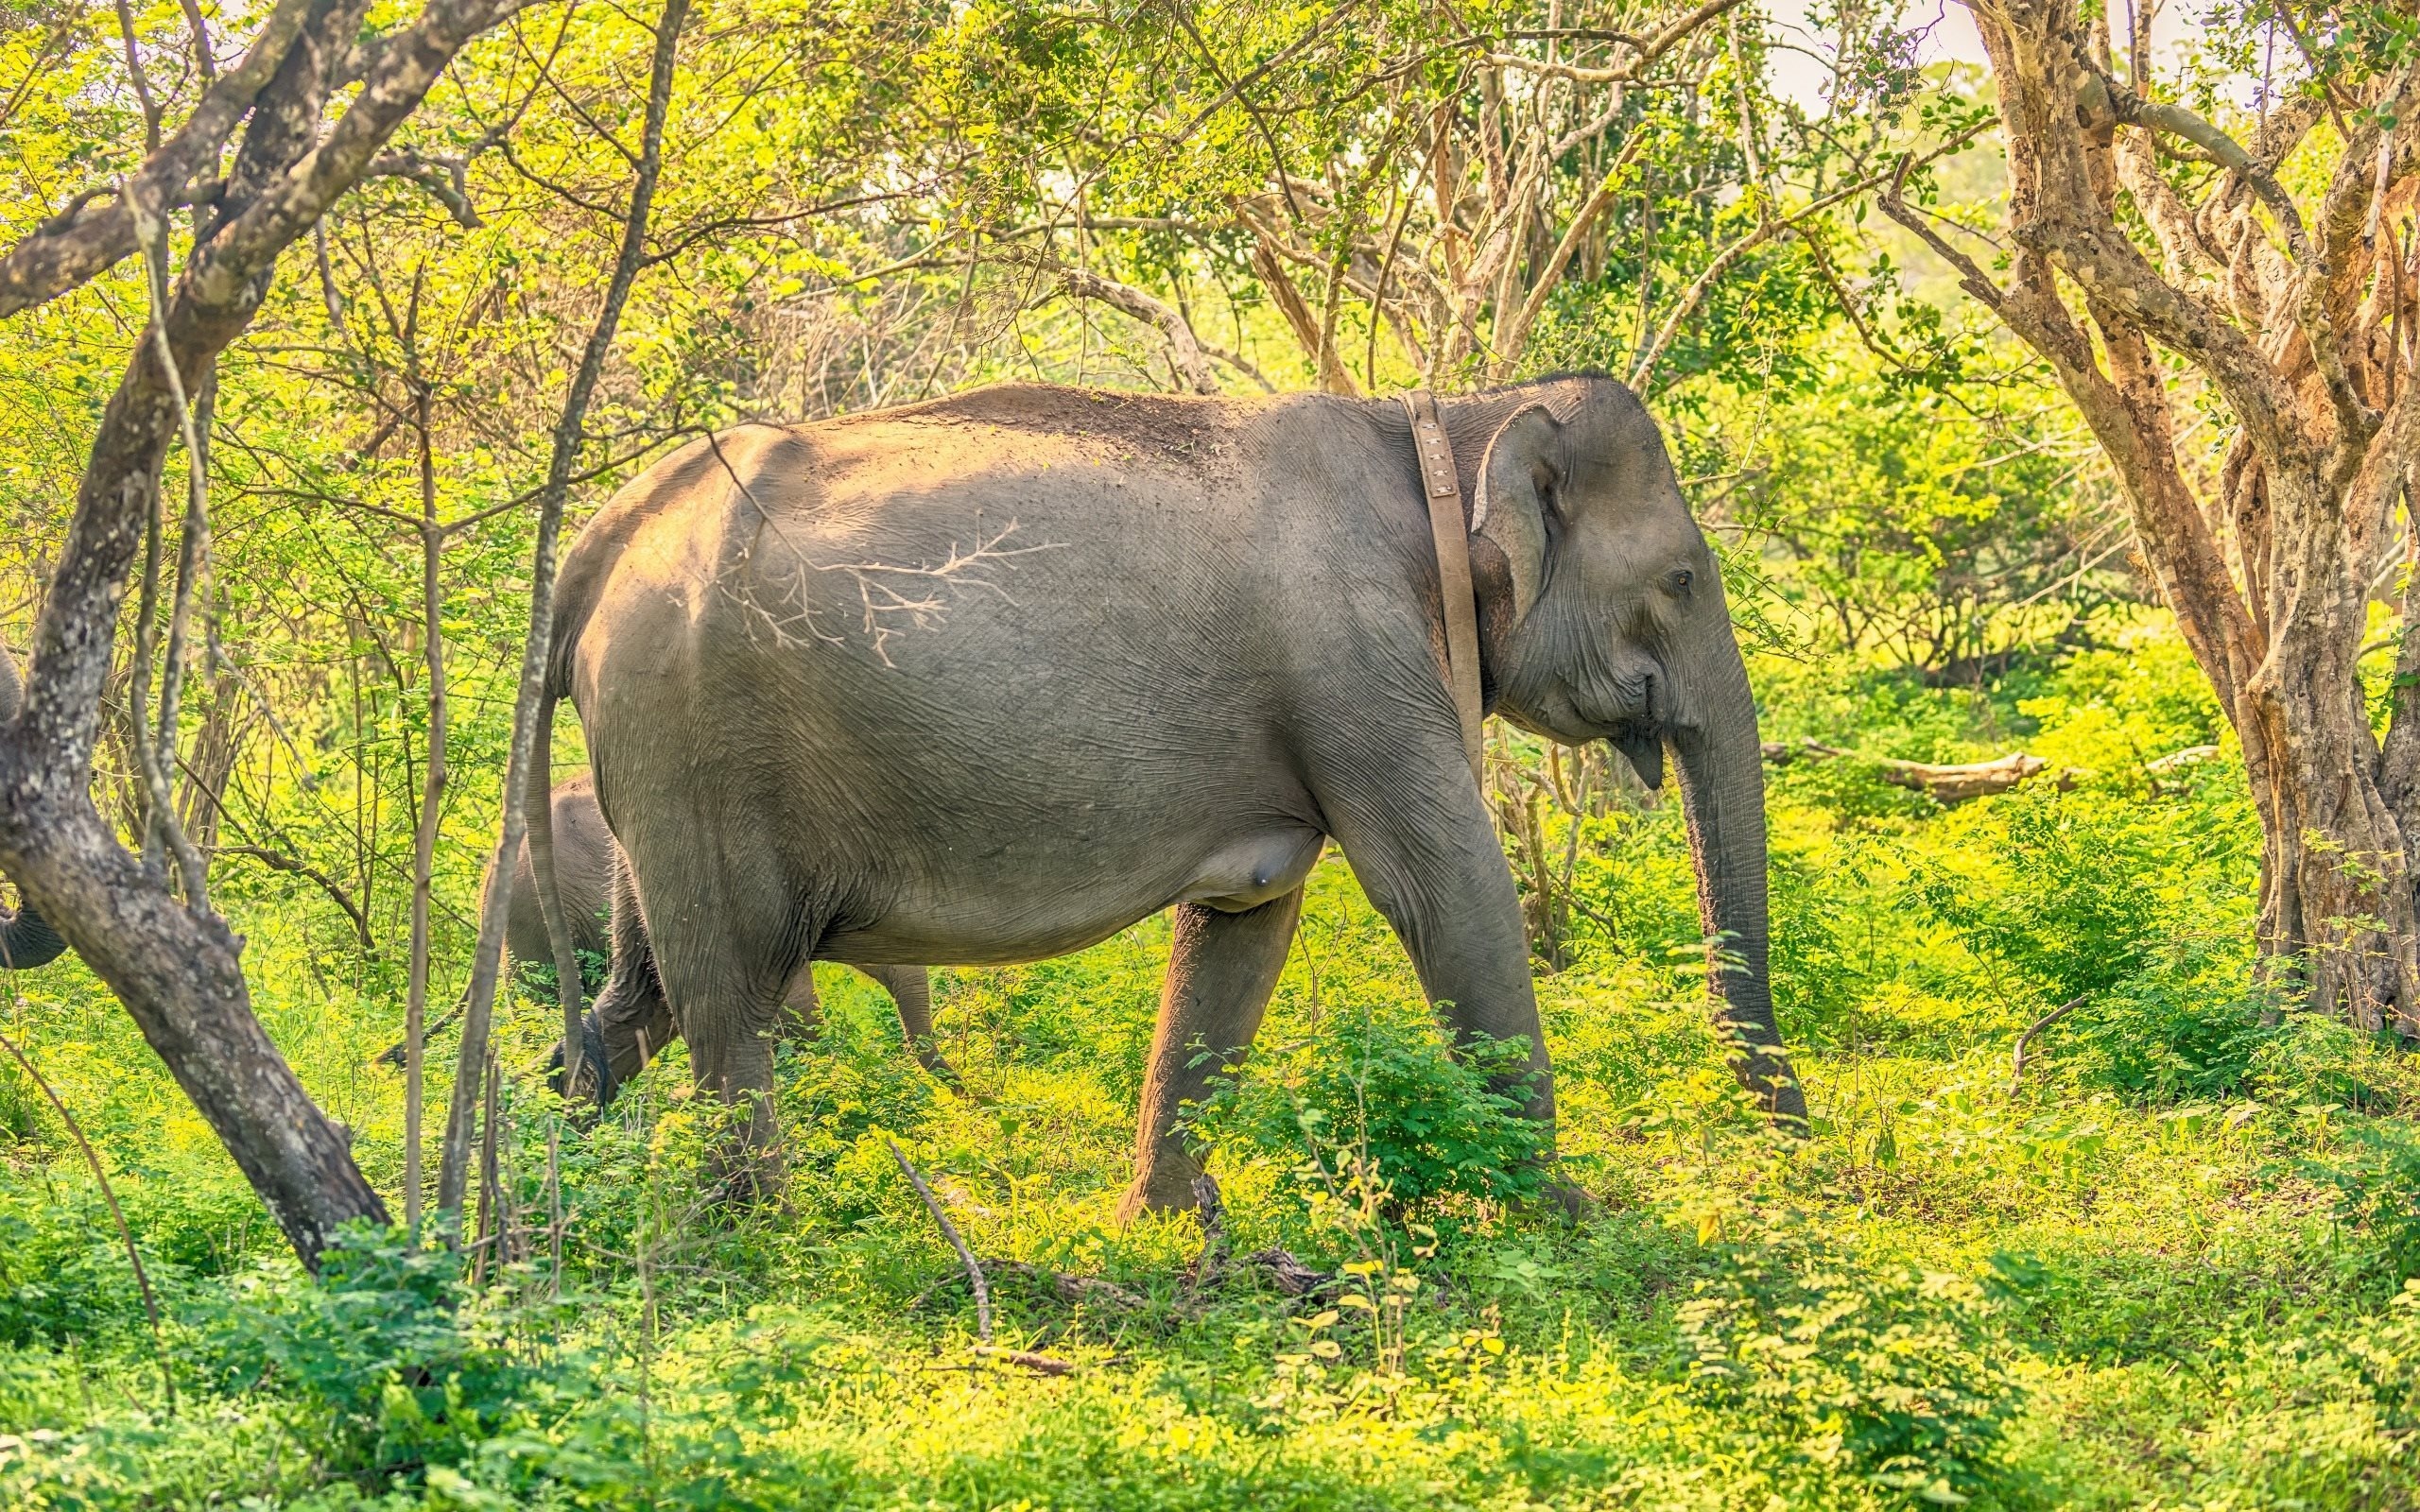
[(1722, 785), (26, 939)]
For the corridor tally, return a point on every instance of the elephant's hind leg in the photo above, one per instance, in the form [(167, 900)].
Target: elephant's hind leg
[(728, 946), (1221, 970)]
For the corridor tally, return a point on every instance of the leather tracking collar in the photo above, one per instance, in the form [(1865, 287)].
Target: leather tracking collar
[(1441, 483)]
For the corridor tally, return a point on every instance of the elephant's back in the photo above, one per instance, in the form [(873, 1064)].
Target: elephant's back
[(974, 648)]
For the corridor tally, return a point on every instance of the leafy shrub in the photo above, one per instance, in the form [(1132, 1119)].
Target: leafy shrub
[(377, 1351), (2375, 1171), (1384, 1094), (537, 979), (1851, 787), (2078, 912), (2171, 1038), (1884, 1367), (64, 1272)]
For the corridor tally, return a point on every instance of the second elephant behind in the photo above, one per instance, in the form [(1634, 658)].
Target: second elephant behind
[(587, 868)]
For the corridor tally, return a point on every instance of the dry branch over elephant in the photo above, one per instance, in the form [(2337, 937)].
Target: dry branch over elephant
[(991, 679)]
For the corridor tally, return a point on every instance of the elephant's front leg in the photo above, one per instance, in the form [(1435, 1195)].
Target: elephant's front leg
[(1423, 849), (1221, 973)]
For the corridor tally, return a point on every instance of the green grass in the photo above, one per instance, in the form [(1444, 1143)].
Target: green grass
[(2167, 1271)]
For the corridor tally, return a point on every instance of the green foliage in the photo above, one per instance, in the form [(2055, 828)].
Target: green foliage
[(537, 979), (2375, 1171), (1932, 525), (2167, 1040), (2074, 919), (379, 1355), (1379, 1095), (1891, 1369), (64, 1271)]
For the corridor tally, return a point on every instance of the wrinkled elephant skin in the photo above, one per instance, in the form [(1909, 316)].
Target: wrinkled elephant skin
[(585, 860)]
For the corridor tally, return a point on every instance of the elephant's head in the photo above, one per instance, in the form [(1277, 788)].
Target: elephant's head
[(1603, 618), (26, 939)]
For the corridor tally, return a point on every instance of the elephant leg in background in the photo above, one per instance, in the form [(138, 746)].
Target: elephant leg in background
[(911, 989), (1221, 970), (911, 992)]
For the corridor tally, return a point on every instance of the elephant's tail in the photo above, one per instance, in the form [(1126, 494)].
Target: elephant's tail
[(539, 800)]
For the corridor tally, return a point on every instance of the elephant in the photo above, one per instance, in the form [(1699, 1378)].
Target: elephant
[(585, 862), (989, 679), (26, 939)]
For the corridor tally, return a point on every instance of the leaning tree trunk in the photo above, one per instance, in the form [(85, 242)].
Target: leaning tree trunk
[(175, 963), (2302, 319)]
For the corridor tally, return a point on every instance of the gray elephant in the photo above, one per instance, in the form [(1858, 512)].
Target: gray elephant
[(990, 678), (585, 865), (26, 939)]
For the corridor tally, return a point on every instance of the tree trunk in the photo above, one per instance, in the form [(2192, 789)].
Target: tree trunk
[(2298, 317)]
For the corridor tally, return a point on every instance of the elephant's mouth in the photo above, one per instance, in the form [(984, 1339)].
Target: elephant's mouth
[(1627, 709), (1642, 743)]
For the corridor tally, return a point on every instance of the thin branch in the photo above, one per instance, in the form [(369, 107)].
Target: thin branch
[(1656, 47), (1185, 348), (1644, 372), (447, 180), (161, 815), (280, 861), (1550, 271), (949, 1230), (524, 762), (203, 63), (142, 86), (2017, 1059), (109, 1193)]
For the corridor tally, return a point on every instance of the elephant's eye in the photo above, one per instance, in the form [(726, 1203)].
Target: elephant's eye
[(1681, 580)]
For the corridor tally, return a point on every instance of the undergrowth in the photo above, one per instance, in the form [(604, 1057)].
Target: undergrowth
[(2172, 1264)]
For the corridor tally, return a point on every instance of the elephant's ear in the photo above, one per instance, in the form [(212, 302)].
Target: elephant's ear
[(12, 697), (1517, 479)]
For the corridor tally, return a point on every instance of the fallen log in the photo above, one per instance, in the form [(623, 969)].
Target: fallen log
[(1943, 784), (1044, 1365), (2188, 757)]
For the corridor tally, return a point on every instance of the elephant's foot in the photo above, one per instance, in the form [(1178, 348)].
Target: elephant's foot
[(748, 1172), (1165, 1186), (937, 1066), (597, 1083)]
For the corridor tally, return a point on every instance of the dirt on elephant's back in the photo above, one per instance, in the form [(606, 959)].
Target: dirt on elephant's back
[(1161, 427)]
